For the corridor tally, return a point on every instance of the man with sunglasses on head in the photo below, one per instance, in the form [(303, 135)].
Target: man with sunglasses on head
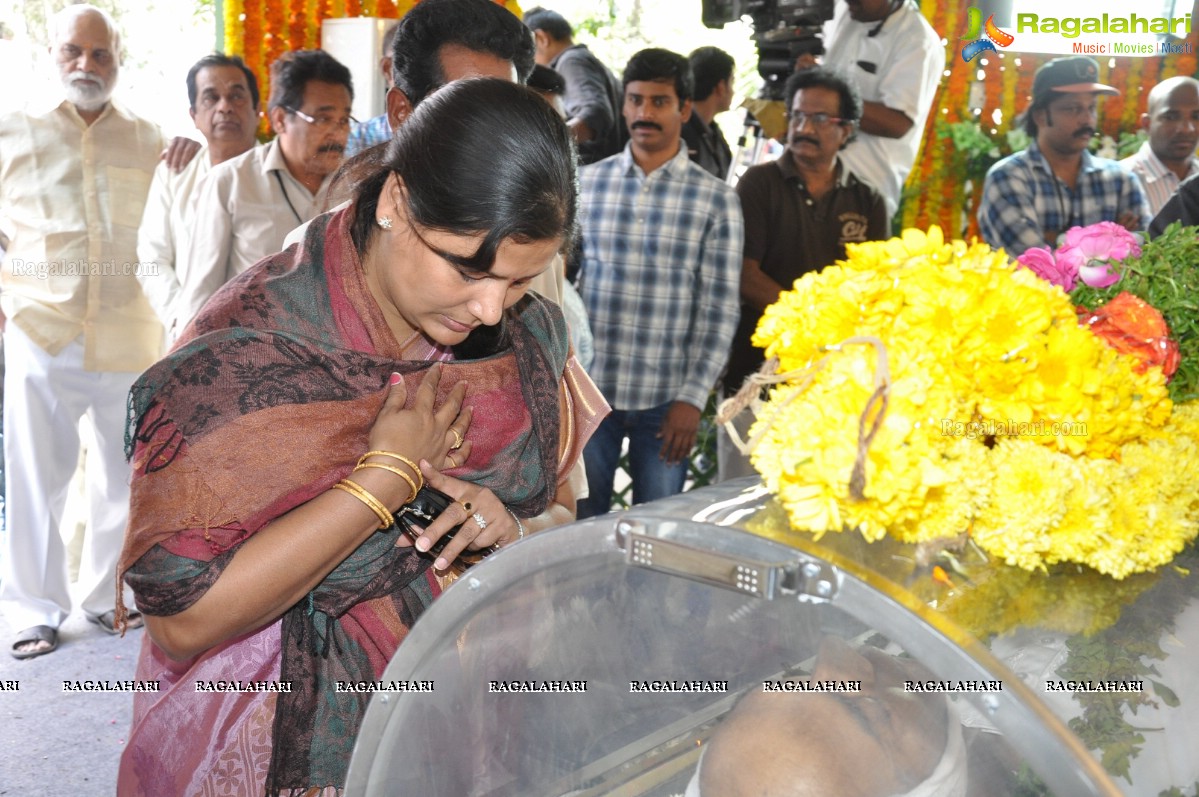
[(1032, 197), (246, 206), (800, 211)]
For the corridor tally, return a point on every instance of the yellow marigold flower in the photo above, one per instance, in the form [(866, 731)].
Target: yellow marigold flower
[(1003, 414)]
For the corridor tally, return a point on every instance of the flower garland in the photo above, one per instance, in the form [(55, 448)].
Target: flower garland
[(1003, 417), (235, 36)]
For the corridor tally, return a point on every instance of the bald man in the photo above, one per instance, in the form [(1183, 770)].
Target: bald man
[(1168, 157), (878, 742)]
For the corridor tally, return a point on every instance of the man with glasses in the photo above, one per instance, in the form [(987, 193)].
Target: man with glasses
[(246, 206), (800, 212), (1032, 197)]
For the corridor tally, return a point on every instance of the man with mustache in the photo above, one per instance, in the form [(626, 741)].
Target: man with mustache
[(661, 257), (1032, 197), (1168, 157), (223, 94), (246, 206), (800, 212), (73, 180)]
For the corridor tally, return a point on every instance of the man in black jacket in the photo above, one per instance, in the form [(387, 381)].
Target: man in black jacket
[(593, 94)]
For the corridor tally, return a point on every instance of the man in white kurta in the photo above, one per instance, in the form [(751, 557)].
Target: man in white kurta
[(223, 94), (73, 180)]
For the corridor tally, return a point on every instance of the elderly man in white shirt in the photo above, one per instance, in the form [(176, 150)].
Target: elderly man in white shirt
[(73, 181), (1168, 157), (223, 95), (246, 206)]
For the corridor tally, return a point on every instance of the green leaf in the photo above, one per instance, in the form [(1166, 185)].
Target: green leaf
[(1166, 694)]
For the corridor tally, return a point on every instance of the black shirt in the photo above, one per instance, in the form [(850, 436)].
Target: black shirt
[(789, 232)]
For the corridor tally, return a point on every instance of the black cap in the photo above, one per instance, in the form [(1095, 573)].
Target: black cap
[(1073, 74)]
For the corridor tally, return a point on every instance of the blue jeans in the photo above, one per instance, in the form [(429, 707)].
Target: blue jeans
[(652, 477)]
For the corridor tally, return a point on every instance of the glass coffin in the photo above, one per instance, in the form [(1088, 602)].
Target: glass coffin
[(619, 655)]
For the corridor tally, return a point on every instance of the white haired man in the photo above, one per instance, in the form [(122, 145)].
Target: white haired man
[(73, 181)]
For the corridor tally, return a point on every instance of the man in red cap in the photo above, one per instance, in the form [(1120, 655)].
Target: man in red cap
[(1032, 197)]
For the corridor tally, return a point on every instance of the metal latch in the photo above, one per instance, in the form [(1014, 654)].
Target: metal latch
[(807, 578)]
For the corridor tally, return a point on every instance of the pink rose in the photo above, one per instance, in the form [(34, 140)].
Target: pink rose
[(1062, 272), (1098, 275), (1104, 240)]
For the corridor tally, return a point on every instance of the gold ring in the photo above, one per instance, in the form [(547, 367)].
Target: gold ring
[(453, 462), (467, 506), (457, 439)]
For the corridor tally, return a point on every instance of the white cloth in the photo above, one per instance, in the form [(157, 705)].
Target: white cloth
[(72, 196), (907, 59), (48, 395), (576, 319), (1157, 179), (243, 211), (164, 234)]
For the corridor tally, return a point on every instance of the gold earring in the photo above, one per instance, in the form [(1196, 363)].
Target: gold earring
[(384, 222)]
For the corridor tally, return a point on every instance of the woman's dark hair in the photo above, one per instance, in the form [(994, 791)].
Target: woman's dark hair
[(481, 155)]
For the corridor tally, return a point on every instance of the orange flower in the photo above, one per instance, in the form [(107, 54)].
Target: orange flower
[(1132, 326)]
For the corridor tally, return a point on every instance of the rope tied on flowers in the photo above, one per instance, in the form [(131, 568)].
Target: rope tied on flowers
[(749, 397)]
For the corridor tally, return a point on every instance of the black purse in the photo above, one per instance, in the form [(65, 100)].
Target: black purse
[(414, 517)]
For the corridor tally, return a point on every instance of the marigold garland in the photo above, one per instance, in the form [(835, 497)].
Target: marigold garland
[(297, 30), (1005, 418), (235, 36)]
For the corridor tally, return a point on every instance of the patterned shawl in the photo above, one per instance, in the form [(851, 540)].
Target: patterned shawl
[(265, 403)]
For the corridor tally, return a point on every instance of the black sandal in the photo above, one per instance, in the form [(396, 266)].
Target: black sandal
[(108, 621), (34, 635)]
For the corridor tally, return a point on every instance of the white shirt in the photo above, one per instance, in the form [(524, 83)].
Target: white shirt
[(907, 60), (1158, 180), (164, 235), (72, 196), (243, 210)]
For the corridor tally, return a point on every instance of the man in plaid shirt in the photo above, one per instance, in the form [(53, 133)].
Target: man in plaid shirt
[(1032, 197), (660, 275)]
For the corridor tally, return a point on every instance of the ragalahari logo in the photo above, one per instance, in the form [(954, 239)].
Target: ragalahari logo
[(984, 37)]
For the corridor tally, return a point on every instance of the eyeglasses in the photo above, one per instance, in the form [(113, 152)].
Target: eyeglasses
[(324, 122), (799, 119)]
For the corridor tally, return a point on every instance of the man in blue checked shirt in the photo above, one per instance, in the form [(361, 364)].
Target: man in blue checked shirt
[(1032, 197), (662, 242)]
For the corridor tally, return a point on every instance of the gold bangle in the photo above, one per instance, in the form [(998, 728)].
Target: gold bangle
[(360, 492), (397, 472), (420, 477)]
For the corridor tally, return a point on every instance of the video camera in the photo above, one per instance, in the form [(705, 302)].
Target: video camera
[(783, 31)]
